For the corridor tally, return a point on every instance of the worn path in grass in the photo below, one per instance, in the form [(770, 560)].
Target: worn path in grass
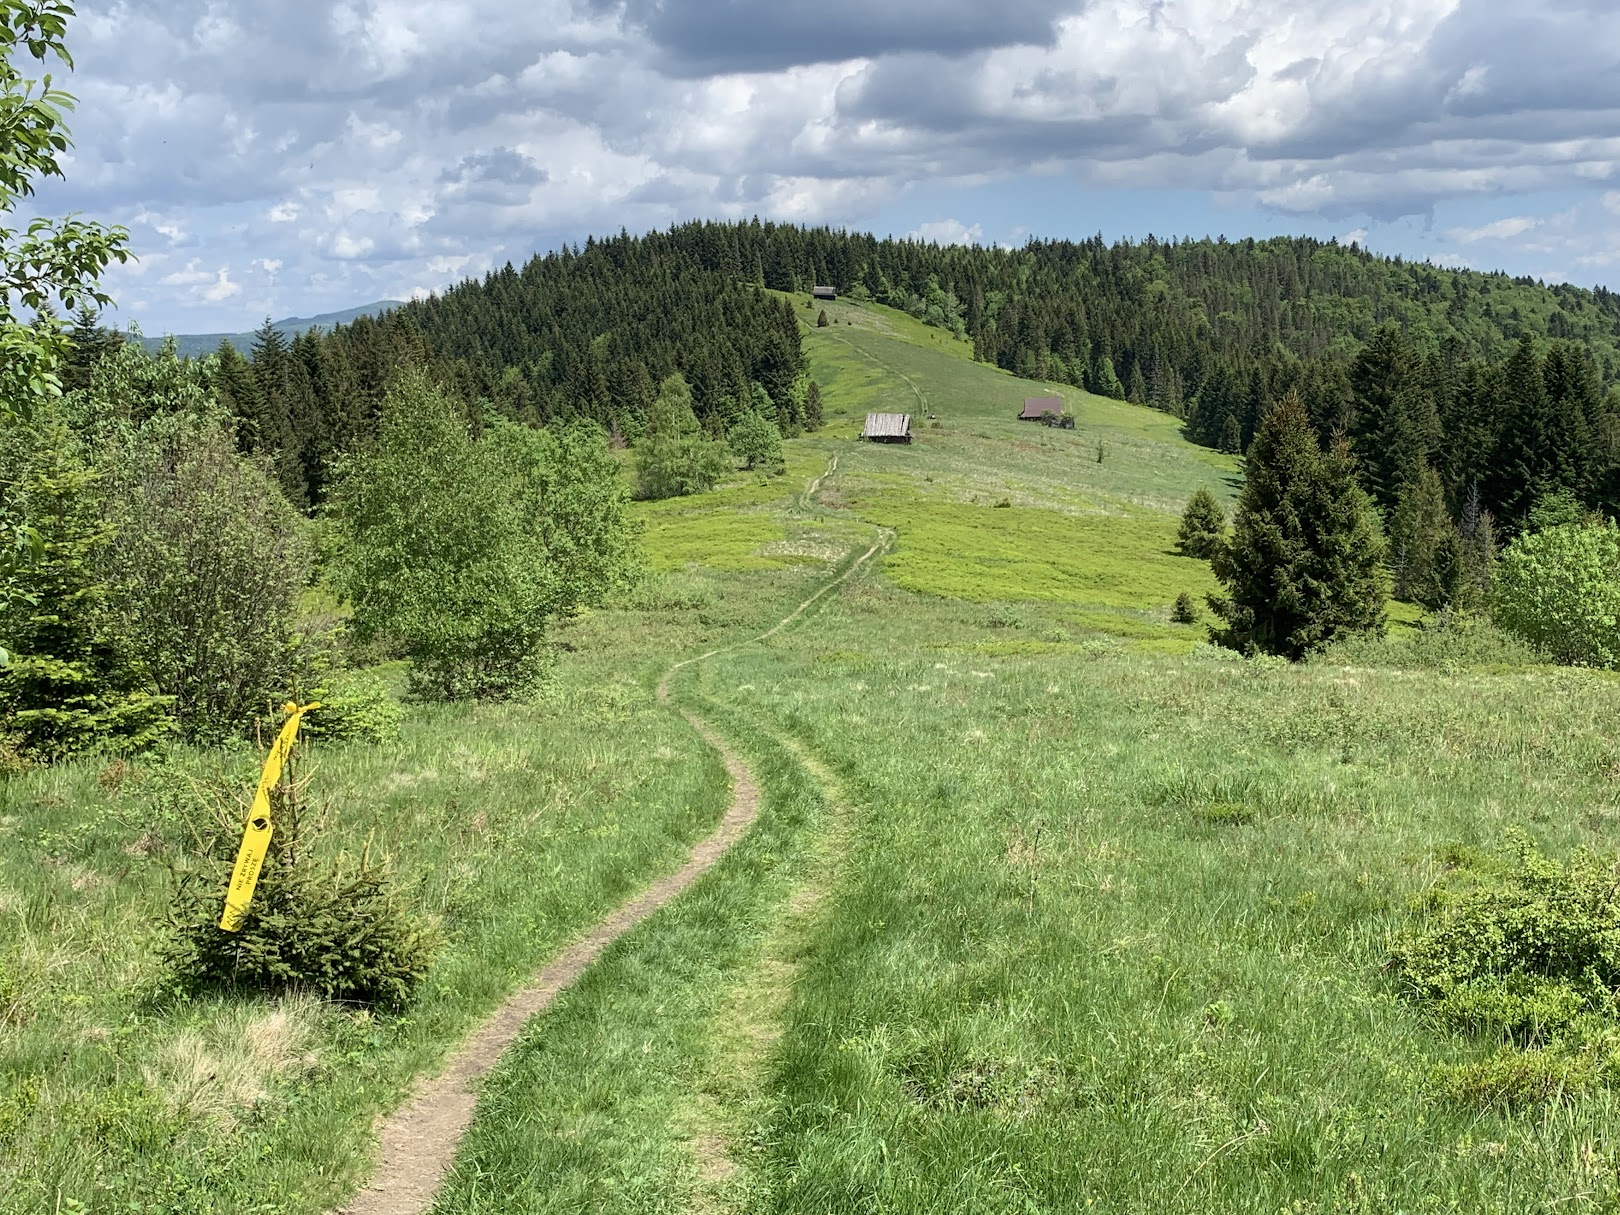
[(419, 1141)]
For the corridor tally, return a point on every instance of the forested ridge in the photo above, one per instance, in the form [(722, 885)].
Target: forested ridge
[(1503, 385)]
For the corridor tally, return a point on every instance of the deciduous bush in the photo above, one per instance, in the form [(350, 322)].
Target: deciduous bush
[(461, 549), (205, 578), (1559, 591), (757, 443), (1525, 949)]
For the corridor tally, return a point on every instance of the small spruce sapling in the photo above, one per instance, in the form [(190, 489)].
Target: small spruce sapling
[(1203, 526)]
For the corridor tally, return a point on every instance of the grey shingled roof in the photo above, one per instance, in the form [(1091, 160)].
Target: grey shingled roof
[(887, 426)]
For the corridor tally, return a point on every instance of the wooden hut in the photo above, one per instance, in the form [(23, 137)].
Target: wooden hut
[(887, 428), (824, 293), (1035, 408)]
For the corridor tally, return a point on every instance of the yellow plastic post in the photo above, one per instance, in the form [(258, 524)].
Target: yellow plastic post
[(256, 834)]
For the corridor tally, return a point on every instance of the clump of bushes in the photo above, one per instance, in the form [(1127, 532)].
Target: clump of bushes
[(506, 531), (333, 926), (1524, 951)]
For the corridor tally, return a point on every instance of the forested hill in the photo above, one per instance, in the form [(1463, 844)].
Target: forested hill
[(1395, 354)]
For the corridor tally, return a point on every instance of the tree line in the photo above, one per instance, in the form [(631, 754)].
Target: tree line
[(1519, 378)]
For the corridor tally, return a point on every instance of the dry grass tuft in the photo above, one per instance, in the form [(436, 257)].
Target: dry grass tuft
[(216, 1074)]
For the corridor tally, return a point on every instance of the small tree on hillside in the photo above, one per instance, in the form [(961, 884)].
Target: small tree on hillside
[(72, 686), (757, 443), (812, 406), (460, 550), (1203, 526), (674, 457), (1559, 590), (821, 321), (1304, 564), (1422, 539)]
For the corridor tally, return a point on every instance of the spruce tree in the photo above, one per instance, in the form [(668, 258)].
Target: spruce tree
[(821, 321), (812, 406), (71, 685), (1203, 526), (1420, 537), (1304, 564)]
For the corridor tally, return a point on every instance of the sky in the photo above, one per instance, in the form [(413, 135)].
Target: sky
[(302, 156)]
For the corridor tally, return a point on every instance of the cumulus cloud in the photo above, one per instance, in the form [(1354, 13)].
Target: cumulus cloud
[(948, 232), (374, 147)]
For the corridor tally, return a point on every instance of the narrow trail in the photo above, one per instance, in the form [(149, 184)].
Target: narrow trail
[(418, 1141), (922, 401)]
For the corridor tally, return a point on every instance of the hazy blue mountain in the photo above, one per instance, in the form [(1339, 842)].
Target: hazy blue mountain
[(194, 344)]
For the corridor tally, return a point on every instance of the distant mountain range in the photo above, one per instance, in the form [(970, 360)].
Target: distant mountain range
[(194, 344)]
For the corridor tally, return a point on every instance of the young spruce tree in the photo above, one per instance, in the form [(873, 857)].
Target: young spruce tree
[(1203, 526), (1422, 538), (1304, 564)]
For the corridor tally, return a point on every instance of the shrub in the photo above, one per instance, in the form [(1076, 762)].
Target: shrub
[(1185, 610), (677, 590), (757, 442), (1203, 526), (1005, 616), (1450, 643), (356, 706), (334, 927), (205, 579), (1526, 951), (1559, 591), (1512, 1079)]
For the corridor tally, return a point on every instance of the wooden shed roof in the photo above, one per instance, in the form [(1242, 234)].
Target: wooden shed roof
[(824, 293), (1034, 407), (887, 426)]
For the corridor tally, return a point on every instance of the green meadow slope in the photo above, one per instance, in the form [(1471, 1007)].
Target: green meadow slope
[(1050, 906)]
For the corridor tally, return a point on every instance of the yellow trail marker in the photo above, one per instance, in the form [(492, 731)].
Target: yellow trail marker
[(256, 834)]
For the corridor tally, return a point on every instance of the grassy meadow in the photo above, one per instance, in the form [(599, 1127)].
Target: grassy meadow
[(1051, 906)]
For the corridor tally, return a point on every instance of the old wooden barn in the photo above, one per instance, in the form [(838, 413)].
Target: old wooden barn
[(824, 293), (1037, 407), (887, 428)]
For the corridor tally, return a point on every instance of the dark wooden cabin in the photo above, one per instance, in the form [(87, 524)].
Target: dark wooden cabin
[(824, 293), (1037, 407)]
